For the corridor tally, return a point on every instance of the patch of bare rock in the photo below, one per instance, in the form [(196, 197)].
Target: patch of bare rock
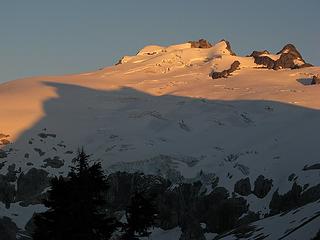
[(4, 139), (289, 58), (315, 80), (226, 73), (201, 43)]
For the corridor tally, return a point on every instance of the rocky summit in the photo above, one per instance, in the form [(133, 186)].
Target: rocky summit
[(288, 57)]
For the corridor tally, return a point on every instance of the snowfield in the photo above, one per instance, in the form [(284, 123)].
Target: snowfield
[(160, 112)]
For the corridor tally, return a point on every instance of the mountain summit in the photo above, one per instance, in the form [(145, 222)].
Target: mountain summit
[(228, 143), (165, 59)]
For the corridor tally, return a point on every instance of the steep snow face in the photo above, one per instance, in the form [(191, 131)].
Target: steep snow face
[(160, 112)]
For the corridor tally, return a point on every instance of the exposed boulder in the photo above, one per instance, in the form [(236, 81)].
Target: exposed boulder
[(315, 80), (262, 186), (226, 73), (7, 191), (8, 229), (31, 185), (201, 43), (243, 187)]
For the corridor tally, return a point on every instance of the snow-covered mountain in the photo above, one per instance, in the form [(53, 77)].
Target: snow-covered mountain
[(189, 112)]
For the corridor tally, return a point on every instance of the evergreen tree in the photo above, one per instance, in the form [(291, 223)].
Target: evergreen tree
[(76, 205), (141, 214)]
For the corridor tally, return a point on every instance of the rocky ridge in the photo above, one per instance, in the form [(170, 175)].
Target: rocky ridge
[(287, 57)]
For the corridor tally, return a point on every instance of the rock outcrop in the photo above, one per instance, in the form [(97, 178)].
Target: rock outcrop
[(180, 203), (289, 57), (260, 59), (7, 191), (226, 73), (31, 185), (4, 139), (258, 53), (315, 80), (201, 43), (7, 186), (294, 198), (4, 142), (291, 50), (243, 187), (262, 186)]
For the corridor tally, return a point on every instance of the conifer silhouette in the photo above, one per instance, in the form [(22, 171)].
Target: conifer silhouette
[(141, 214), (76, 205)]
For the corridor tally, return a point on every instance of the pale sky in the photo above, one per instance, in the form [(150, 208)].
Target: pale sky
[(44, 37)]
